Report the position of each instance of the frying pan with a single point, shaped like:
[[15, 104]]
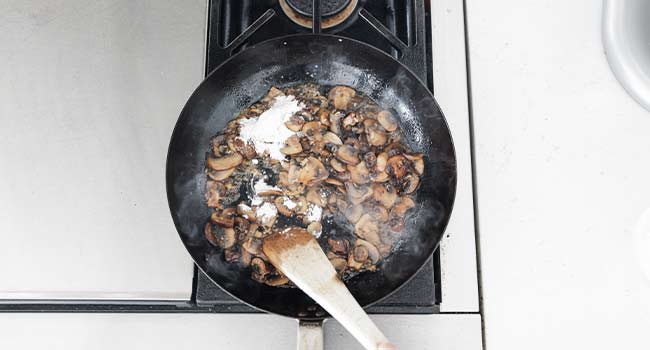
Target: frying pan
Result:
[[326, 60]]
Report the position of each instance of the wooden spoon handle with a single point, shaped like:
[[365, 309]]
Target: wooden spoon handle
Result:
[[304, 263]]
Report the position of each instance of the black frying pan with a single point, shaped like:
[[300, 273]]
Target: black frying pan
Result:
[[326, 60]]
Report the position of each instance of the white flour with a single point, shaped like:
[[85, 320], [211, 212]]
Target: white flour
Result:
[[314, 213], [268, 132], [266, 212], [289, 203], [261, 186]]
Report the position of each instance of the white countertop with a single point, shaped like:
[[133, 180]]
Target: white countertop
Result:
[[563, 178]]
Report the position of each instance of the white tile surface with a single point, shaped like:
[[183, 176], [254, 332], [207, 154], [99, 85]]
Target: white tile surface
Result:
[[458, 249], [563, 169], [203, 331], [89, 94]]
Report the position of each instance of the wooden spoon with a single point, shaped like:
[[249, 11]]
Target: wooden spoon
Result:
[[298, 256]]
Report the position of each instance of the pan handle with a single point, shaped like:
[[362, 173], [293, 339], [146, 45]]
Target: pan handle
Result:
[[310, 335]]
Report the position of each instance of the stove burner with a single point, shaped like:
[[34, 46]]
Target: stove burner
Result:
[[333, 12], [328, 8]]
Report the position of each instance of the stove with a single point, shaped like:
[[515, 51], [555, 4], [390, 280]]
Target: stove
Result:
[[425, 35]]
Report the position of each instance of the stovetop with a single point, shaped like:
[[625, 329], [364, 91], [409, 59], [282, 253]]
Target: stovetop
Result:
[[396, 27]]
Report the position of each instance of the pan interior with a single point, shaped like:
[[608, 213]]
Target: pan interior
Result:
[[324, 60]]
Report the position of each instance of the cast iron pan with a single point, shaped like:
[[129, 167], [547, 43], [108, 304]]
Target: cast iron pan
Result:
[[326, 60]]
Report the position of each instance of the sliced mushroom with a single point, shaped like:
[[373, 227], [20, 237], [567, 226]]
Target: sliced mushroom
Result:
[[238, 145], [246, 211], [253, 245], [245, 258], [224, 218], [382, 159], [339, 264], [379, 176], [292, 175], [282, 208], [368, 229], [387, 120], [385, 194], [231, 255], [377, 211], [410, 184], [334, 182], [259, 267], [315, 229], [348, 154], [324, 116], [375, 133], [337, 165], [397, 166], [341, 96], [353, 213], [384, 250], [283, 179], [360, 253], [295, 122], [359, 173], [331, 138], [338, 246], [312, 172], [303, 205], [356, 195], [213, 194], [373, 251], [220, 175], [335, 121], [276, 280], [350, 120], [400, 209], [314, 196], [370, 159], [313, 130], [418, 162], [242, 228], [273, 93], [291, 146], [353, 264], [225, 162], [224, 238]]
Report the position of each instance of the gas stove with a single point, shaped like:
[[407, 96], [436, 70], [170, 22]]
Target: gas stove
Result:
[[436, 53]]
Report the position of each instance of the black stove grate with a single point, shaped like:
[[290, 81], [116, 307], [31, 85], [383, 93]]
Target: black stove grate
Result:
[[396, 27]]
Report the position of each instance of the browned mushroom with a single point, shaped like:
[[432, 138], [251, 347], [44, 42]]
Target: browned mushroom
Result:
[[245, 258], [331, 138], [401, 207], [350, 120], [295, 122], [338, 246], [225, 162], [353, 213], [385, 194], [324, 116], [335, 121], [253, 245], [397, 166], [312, 172], [410, 184], [359, 173], [339, 264], [418, 162], [276, 280], [370, 159], [231, 255], [341, 96], [292, 174], [357, 194], [379, 176], [259, 267], [313, 130], [224, 218], [375, 133], [377, 211], [368, 229], [242, 228], [213, 194], [221, 237], [273, 93], [291, 146], [246, 211], [334, 182], [373, 251], [238, 145], [387, 120], [360, 253], [220, 175], [337, 165], [353, 264], [382, 159], [315, 196], [348, 154], [282, 207], [315, 228]]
